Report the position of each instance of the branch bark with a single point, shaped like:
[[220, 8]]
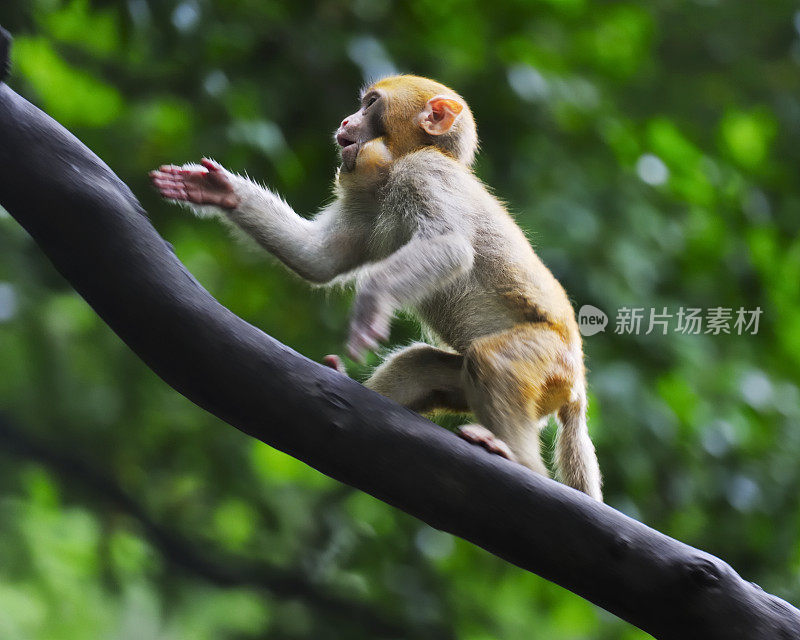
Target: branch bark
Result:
[[95, 232]]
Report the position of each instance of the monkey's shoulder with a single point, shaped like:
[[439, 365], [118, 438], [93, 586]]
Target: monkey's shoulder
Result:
[[429, 168], [430, 183]]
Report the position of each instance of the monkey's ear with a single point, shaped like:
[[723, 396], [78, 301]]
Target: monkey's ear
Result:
[[440, 114]]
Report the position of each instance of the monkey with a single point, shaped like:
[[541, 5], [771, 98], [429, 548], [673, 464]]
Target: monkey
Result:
[[414, 227]]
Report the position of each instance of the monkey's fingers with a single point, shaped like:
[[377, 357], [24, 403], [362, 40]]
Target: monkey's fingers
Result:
[[359, 343], [168, 169], [168, 187], [378, 329], [173, 172], [175, 195], [211, 165], [211, 177], [480, 435], [367, 336], [357, 349], [164, 179]]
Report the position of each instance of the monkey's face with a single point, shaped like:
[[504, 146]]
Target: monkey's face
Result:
[[362, 126], [409, 113]]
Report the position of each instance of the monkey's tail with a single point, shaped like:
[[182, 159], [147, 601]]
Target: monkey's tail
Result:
[[576, 460]]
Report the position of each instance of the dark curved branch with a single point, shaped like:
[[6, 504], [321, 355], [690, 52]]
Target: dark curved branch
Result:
[[97, 235], [224, 570]]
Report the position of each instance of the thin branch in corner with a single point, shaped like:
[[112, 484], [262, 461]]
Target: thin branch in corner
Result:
[[5, 52]]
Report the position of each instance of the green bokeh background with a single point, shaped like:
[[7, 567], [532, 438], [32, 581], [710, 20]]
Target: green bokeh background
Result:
[[650, 150]]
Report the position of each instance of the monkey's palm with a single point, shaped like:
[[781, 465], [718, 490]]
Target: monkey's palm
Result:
[[208, 184]]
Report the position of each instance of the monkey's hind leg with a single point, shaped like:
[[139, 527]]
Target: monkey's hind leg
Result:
[[510, 432], [514, 380], [422, 378]]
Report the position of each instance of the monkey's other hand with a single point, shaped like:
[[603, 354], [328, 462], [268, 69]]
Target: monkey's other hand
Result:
[[368, 327], [209, 184], [480, 435]]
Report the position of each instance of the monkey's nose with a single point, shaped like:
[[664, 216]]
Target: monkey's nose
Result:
[[344, 123]]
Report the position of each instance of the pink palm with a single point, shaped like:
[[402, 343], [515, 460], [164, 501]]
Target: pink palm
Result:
[[207, 185]]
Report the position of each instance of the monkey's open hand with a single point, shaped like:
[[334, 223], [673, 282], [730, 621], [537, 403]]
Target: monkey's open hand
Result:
[[369, 326], [208, 184]]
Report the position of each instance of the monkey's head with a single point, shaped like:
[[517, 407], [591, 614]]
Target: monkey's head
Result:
[[409, 113]]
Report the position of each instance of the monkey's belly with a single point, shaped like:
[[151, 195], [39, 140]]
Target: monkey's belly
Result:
[[461, 314]]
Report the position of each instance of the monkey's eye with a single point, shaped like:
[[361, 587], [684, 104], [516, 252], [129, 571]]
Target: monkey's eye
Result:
[[370, 101]]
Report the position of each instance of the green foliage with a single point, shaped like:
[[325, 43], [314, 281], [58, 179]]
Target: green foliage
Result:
[[72, 96], [649, 148]]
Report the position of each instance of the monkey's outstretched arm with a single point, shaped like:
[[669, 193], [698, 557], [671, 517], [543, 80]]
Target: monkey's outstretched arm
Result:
[[424, 264], [318, 249]]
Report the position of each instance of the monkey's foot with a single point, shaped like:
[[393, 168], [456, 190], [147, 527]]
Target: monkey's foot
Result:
[[477, 434], [334, 362]]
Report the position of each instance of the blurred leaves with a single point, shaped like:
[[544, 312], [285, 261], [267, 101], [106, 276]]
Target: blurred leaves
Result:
[[70, 95], [748, 136]]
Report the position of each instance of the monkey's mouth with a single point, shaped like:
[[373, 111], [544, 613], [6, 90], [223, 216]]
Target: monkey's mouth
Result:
[[343, 141], [349, 151]]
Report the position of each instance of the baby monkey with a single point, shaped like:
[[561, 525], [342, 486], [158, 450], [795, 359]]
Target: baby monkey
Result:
[[415, 228]]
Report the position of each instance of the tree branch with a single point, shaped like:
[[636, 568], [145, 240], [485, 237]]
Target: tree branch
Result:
[[225, 571], [97, 235]]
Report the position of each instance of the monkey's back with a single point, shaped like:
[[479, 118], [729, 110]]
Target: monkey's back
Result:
[[507, 284]]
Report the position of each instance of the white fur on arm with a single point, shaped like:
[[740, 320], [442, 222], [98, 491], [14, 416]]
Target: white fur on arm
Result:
[[314, 249]]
